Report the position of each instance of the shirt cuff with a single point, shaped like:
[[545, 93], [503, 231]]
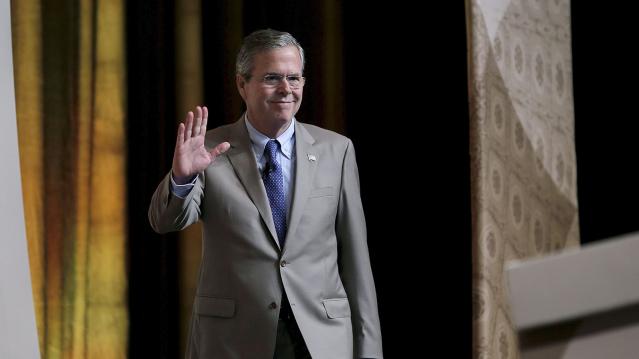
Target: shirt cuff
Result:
[[182, 190]]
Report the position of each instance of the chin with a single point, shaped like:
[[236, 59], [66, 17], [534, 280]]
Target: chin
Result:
[[283, 118]]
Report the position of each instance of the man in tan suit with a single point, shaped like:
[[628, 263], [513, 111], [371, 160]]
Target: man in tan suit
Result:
[[285, 268]]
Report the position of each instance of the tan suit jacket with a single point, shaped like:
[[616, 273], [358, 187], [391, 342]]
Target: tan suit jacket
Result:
[[324, 266]]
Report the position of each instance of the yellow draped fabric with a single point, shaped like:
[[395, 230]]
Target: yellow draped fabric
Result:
[[70, 97]]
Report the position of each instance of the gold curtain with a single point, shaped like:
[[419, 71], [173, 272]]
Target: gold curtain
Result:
[[70, 98], [524, 193]]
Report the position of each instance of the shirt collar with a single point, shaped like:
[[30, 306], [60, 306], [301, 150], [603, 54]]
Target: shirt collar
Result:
[[259, 140]]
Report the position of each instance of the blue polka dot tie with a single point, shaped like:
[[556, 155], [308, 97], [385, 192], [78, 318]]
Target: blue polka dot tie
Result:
[[274, 184]]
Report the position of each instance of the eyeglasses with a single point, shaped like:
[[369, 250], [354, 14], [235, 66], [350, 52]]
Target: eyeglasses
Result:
[[274, 80]]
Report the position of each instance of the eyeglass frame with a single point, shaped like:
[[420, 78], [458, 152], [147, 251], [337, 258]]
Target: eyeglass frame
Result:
[[280, 78]]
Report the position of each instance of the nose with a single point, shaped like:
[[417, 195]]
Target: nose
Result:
[[284, 87]]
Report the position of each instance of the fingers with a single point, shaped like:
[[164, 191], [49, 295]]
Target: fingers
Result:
[[219, 149], [195, 123], [180, 135], [188, 124], [205, 119], [198, 122]]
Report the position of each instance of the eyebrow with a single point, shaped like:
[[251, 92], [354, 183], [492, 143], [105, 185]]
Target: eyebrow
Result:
[[278, 74]]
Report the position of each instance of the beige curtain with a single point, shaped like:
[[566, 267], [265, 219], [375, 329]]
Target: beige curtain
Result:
[[70, 94], [524, 197]]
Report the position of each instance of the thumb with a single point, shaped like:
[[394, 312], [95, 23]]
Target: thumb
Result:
[[219, 149]]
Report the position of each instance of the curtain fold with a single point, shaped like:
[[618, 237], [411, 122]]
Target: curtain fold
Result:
[[70, 99], [27, 58], [523, 167]]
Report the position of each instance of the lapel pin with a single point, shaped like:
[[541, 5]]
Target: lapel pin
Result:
[[311, 157]]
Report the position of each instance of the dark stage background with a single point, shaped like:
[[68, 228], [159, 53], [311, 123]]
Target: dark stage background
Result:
[[405, 107], [605, 90]]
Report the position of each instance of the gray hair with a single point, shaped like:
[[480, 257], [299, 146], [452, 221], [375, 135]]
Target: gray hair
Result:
[[260, 41]]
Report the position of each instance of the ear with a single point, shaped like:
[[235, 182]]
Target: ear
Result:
[[241, 85]]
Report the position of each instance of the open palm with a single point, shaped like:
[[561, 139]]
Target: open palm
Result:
[[191, 156]]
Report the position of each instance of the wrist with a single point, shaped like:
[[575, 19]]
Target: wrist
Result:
[[180, 180]]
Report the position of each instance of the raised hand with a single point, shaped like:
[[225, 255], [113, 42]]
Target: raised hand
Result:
[[191, 156]]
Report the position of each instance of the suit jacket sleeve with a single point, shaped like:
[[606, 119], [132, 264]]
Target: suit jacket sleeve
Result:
[[354, 262], [169, 212]]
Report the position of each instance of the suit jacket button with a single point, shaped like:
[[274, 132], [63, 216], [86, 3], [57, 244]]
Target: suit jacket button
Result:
[[272, 305], [283, 264]]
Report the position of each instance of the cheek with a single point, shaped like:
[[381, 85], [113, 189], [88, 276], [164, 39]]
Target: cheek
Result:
[[255, 96], [259, 101]]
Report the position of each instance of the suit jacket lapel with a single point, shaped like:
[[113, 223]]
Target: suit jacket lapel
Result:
[[243, 161], [304, 174]]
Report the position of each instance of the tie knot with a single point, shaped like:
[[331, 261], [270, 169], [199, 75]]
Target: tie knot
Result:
[[271, 150]]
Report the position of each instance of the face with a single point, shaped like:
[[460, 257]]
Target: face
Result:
[[271, 108]]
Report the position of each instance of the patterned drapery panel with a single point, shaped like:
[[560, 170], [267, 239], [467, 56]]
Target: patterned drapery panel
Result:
[[70, 100], [524, 197]]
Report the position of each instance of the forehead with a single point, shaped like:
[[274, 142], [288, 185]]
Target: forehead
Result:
[[281, 60]]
